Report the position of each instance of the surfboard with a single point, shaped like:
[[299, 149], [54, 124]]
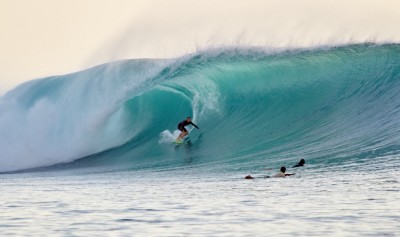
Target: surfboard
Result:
[[176, 141], [181, 141]]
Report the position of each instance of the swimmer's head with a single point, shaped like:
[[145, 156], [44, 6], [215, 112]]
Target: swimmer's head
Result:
[[283, 169], [302, 161]]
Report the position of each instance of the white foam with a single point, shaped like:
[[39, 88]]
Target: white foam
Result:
[[167, 136]]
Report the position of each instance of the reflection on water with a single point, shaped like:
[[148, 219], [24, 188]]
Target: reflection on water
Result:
[[319, 201]]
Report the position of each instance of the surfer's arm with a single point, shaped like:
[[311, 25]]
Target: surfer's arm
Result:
[[194, 125], [289, 174]]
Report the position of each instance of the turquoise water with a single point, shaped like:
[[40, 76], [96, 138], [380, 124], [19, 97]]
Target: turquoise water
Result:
[[90, 153]]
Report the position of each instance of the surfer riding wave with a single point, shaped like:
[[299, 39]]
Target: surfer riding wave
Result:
[[181, 127]]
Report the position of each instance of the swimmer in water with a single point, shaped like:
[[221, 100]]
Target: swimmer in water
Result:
[[280, 174], [301, 163]]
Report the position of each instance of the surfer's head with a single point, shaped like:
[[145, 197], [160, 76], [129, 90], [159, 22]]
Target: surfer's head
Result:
[[283, 169], [302, 162], [248, 177], [189, 119]]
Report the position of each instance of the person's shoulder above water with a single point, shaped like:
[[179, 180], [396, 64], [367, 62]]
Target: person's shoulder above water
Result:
[[301, 163], [282, 173]]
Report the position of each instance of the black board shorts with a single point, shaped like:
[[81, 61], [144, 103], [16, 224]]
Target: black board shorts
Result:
[[182, 128]]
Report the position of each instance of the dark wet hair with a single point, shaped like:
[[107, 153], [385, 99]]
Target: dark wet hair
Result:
[[302, 161], [248, 177], [283, 169], [188, 117]]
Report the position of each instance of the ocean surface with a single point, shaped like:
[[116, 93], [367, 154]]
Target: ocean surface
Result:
[[91, 153]]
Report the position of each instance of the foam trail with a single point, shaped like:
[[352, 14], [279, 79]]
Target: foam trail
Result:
[[168, 136]]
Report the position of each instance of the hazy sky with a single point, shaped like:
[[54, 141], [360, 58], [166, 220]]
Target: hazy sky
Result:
[[40, 38]]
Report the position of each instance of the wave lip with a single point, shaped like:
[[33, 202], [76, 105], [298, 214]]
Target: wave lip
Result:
[[253, 107]]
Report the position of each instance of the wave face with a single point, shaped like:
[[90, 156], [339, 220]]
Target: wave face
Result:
[[253, 108]]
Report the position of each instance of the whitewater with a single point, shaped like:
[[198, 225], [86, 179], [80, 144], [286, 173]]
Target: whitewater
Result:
[[100, 140]]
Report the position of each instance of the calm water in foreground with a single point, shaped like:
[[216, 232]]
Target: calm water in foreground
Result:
[[346, 200]]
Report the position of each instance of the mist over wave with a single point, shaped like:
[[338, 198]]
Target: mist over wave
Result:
[[163, 29], [253, 107]]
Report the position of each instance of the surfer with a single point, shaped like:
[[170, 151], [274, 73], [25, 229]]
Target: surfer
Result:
[[280, 174], [181, 127], [301, 163]]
